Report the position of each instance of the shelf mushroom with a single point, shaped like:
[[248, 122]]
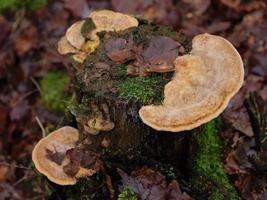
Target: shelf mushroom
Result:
[[107, 20], [78, 44], [49, 156], [202, 86]]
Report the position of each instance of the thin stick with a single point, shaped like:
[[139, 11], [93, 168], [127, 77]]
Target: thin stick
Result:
[[25, 96], [41, 126], [36, 84], [14, 165]]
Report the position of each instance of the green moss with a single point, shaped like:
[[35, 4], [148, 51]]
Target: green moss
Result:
[[217, 195], [127, 194], [36, 4], [208, 163], [143, 89], [18, 4], [53, 93]]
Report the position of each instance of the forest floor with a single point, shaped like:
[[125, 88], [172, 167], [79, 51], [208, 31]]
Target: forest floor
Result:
[[29, 62]]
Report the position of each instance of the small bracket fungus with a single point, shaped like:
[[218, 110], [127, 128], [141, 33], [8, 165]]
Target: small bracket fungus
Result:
[[79, 43], [107, 20], [60, 141], [100, 121], [49, 156], [203, 84]]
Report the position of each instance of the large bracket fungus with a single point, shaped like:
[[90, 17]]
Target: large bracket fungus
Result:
[[203, 84]]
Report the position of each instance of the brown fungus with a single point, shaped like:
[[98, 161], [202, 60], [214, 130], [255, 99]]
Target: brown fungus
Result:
[[49, 157], [203, 84]]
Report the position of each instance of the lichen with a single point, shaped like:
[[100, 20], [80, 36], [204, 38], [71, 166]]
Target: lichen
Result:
[[53, 94], [208, 164], [143, 89]]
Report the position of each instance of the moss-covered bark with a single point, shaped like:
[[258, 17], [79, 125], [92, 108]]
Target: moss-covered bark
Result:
[[210, 180]]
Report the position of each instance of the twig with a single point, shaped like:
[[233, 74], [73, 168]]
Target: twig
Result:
[[41, 126], [14, 165], [25, 96], [21, 179], [19, 18], [36, 84]]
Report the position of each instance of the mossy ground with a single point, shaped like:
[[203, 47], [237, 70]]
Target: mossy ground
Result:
[[208, 164], [18, 4], [53, 90]]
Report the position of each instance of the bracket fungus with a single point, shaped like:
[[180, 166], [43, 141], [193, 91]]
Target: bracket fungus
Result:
[[49, 156], [81, 44], [107, 20], [203, 84], [99, 121]]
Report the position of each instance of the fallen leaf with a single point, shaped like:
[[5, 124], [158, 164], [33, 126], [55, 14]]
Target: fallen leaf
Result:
[[151, 185]]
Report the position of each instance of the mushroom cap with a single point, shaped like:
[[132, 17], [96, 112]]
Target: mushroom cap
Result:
[[60, 140], [74, 34], [203, 84], [107, 20]]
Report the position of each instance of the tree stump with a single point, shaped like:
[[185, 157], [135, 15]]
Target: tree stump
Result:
[[106, 93], [118, 72]]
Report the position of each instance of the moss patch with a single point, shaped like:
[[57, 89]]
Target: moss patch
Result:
[[143, 89], [17, 4], [208, 164], [127, 194], [53, 94]]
